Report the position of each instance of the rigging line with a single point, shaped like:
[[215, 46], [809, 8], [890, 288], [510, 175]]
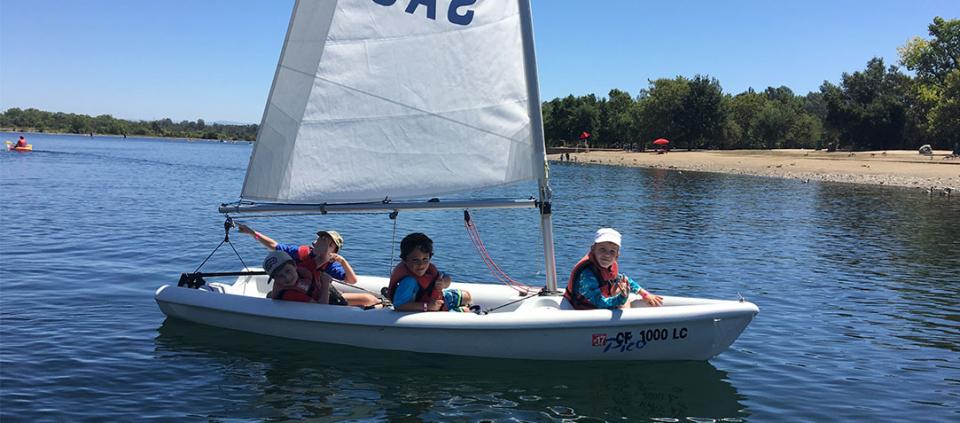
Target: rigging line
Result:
[[505, 279], [527, 297], [393, 241], [478, 243], [485, 257], [427, 112], [494, 268], [245, 267], [208, 257]]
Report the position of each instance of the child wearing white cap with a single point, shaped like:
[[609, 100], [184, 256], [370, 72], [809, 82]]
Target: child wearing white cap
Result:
[[595, 281]]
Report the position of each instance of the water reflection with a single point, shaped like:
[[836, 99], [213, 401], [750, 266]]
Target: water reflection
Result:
[[274, 378]]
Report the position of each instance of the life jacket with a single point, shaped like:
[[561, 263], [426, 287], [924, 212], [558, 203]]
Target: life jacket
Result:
[[21, 142], [306, 261], [607, 278], [427, 283], [303, 290]]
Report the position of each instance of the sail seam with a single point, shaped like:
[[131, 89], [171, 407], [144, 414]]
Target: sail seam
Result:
[[424, 112]]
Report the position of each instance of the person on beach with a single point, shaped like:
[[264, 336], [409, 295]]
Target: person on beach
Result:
[[294, 283], [321, 257], [595, 281], [417, 285]]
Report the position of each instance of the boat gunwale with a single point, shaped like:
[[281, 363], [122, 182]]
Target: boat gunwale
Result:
[[532, 318]]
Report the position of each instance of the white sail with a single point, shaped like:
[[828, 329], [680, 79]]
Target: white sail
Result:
[[396, 99]]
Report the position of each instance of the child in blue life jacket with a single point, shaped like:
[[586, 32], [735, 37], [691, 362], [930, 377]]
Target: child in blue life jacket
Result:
[[417, 285], [294, 283], [595, 281]]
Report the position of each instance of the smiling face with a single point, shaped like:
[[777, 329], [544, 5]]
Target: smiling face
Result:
[[417, 261], [606, 253]]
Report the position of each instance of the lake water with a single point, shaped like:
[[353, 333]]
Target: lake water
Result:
[[858, 289]]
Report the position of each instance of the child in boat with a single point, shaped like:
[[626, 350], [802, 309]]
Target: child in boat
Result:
[[417, 285], [595, 281], [293, 283], [319, 258]]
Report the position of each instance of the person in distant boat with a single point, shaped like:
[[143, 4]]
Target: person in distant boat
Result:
[[321, 257], [294, 283], [22, 142], [417, 285], [595, 281]]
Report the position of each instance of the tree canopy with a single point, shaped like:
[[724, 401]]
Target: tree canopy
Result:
[[41, 121], [878, 108]]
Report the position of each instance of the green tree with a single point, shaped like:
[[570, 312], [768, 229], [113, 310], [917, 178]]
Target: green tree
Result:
[[868, 109], [617, 114], [660, 108], [702, 115], [936, 62]]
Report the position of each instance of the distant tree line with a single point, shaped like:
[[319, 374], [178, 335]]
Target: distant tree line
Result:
[[877, 108], [40, 121]]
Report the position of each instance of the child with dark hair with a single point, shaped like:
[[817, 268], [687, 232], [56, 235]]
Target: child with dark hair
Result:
[[417, 285]]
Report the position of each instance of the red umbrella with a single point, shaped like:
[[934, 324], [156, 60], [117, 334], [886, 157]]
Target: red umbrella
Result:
[[661, 141], [584, 135]]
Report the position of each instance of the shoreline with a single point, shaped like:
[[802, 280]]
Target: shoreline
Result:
[[121, 137], [937, 173]]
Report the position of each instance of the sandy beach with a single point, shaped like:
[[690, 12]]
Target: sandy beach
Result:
[[896, 168]]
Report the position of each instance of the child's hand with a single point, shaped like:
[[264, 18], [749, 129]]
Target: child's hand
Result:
[[653, 300], [622, 287]]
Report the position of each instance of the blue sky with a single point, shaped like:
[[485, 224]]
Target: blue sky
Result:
[[215, 59]]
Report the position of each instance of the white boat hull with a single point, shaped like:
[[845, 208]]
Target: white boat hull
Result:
[[541, 328]]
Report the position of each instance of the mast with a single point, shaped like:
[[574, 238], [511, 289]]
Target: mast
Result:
[[536, 125]]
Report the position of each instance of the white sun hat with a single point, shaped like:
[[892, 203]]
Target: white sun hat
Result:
[[607, 235]]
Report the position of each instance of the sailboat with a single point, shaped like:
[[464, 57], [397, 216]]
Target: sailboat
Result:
[[387, 106]]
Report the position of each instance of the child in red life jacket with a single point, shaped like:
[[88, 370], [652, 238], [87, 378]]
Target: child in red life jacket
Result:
[[294, 283], [417, 285], [22, 142], [322, 257], [595, 281]]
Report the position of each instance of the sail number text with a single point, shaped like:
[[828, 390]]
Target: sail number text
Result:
[[457, 13], [629, 341]]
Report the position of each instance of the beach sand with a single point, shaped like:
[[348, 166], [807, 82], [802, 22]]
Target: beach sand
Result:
[[895, 168]]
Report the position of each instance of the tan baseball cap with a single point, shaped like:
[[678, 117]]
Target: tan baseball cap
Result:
[[335, 236]]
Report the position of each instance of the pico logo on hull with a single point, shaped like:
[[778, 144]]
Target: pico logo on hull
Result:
[[627, 341], [458, 12]]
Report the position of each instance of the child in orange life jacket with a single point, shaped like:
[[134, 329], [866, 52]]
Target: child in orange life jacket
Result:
[[417, 285], [322, 257], [293, 283], [595, 281]]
